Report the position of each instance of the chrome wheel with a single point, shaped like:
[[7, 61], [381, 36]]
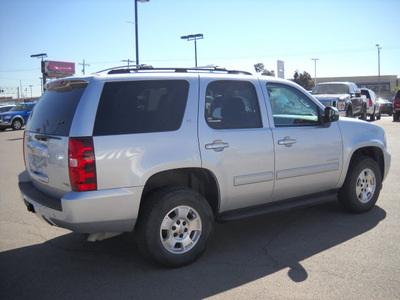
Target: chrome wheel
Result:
[[365, 185], [180, 229]]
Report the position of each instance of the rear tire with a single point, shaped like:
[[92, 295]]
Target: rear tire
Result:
[[174, 226], [362, 186], [16, 124]]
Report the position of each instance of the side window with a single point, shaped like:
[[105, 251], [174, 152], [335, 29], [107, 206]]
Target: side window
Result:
[[232, 105], [290, 107], [141, 106]]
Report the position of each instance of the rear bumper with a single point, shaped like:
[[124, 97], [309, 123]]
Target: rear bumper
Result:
[[112, 210]]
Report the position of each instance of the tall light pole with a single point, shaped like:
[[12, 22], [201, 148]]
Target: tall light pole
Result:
[[193, 37], [379, 69], [136, 31], [315, 70], [41, 55]]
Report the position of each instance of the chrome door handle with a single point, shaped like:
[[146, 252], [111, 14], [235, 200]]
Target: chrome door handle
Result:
[[217, 145], [288, 141]]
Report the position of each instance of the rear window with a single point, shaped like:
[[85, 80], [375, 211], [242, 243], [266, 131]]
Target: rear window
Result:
[[141, 106], [54, 112]]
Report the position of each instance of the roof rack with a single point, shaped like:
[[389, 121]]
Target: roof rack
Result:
[[136, 69]]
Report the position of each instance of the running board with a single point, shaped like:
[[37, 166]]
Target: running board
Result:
[[279, 206]]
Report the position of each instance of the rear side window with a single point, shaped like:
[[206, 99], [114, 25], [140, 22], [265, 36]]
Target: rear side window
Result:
[[141, 106], [54, 112], [232, 105]]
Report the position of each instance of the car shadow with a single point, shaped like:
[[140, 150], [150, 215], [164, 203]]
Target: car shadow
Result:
[[68, 267]]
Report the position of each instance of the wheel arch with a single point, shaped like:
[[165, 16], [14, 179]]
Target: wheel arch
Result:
[[373, 152], [201, 180]]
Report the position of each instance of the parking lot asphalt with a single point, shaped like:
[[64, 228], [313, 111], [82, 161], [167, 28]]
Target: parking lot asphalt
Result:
[[313, 253]]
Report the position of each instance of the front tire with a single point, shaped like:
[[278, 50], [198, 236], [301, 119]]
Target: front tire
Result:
[[362, 185], [174, 226]]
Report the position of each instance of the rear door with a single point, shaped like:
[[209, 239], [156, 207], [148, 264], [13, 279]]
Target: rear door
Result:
[[235, 141]]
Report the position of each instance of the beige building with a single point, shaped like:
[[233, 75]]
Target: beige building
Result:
[[387, 83]]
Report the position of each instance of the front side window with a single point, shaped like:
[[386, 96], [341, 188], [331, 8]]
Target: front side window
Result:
[[290, 107], [232, 105], [141, 106]]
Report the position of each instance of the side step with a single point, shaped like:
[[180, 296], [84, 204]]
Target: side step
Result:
[[279, 206]]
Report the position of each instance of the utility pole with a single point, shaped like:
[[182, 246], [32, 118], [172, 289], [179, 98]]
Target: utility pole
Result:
[[31, 90], [128, 61], [84, 65]]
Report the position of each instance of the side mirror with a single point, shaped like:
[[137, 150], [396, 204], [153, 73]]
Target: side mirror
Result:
[[331, 114]]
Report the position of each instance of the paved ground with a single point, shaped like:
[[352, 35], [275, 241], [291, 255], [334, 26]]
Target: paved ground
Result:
[[314, 253]]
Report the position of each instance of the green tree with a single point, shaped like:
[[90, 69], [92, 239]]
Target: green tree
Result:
[[395, 89], [260, 68], [303, 79]]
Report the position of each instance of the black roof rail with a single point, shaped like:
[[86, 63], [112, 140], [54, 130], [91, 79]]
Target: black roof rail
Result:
[[125, 70]]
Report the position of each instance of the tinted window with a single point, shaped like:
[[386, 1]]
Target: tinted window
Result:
[[232, 105], [54, 112], [141, 106], [290, 107], [334, 88]]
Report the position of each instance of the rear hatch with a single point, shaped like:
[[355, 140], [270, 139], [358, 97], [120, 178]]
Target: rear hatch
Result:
[[46, 138]]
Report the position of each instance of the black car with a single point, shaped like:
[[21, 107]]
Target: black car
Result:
[[386, 106]]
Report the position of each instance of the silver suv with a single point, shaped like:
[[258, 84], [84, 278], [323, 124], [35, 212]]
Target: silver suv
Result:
[[166, 152]]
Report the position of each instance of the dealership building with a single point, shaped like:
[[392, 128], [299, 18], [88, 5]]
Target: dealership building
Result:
[[386, 83]]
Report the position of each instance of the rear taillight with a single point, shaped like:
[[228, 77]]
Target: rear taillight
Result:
[[370, 102], [82, 165]]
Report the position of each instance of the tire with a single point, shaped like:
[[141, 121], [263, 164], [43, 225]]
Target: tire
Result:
[[372, 117], [349, 112], [362, 185], [378, 117], [364, 113], [174, 226], [16, 124]]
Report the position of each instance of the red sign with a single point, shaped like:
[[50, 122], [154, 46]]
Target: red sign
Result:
[[59, 69]]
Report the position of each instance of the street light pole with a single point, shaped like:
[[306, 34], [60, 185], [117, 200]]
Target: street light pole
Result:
[[193, 37], [379, 69], [136, 31], [41, 55], [315, 70]]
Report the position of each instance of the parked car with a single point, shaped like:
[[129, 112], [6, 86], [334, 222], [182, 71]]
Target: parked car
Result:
[[386, 106], [166, 152], [373, 107], [17, 117], [5, 108], [396, 106], [345, 96]]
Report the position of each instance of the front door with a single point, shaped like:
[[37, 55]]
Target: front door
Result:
[[308, 155]]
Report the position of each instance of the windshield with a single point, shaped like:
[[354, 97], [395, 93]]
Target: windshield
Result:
[[335, 88], [19, 107]]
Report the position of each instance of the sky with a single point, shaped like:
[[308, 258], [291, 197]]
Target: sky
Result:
[[342, 34]]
